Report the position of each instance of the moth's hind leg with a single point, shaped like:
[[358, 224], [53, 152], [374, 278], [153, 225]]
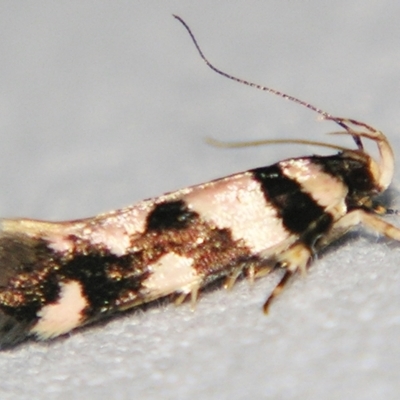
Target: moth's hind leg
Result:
[[250, 269], [295, 258]]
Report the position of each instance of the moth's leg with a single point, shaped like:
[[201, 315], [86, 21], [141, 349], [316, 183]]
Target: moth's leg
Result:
[[295, 258], [231, 279], [252, 270], [194, 295], [193, 292], [370, 221], [298, 255]]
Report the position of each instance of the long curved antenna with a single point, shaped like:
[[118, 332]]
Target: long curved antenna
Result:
[[324, 114], [252, 143]]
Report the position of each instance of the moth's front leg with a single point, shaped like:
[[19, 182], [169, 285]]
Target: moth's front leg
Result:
[[371, 221]]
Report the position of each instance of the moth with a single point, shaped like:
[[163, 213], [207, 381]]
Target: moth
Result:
[[58, 276]]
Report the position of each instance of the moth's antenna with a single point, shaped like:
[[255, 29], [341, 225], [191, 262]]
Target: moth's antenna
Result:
[[324, 114], [218, 143]]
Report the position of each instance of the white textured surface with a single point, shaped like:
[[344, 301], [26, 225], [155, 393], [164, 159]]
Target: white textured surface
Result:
[[104, 103]]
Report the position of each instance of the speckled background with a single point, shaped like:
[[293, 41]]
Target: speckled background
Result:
[[104, 103]]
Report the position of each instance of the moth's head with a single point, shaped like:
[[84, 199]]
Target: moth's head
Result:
[[382, 168]]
